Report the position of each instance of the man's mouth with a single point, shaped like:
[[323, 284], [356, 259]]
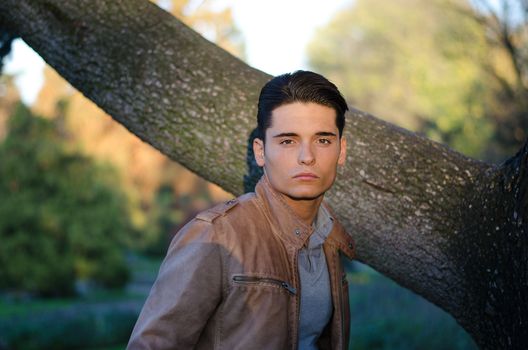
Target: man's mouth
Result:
[[306, 176]]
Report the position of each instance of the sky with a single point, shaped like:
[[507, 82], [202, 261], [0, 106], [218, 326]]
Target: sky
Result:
[[276, 33]]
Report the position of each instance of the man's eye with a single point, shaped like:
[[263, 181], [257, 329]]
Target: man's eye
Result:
[[286, 142], [325, 141]]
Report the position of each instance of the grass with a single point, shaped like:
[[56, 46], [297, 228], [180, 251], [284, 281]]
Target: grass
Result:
[[387, 316], [11, 308], [99, 319]]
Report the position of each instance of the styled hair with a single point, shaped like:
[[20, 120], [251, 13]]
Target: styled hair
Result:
[[299, 86]]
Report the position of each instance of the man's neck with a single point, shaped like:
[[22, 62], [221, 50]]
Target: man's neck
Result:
[[306, 209]]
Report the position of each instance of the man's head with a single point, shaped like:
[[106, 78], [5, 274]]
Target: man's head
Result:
[[301, 120], [300, 86]]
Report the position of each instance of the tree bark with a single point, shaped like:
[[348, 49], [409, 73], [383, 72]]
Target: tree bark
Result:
[[448, 227]]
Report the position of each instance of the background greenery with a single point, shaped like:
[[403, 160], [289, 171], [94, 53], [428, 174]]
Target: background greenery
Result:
[[63, 216], [384, 316]]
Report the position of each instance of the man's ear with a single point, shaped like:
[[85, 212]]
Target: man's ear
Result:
[[342, 153], [258, 151]]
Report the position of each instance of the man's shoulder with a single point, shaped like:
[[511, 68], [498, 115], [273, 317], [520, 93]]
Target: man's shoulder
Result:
[[231, 209], [207, 225]]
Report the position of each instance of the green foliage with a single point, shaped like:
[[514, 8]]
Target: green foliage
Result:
[[162, 220], [387, 316], [62, 217], [99, 319], [420, 64], [77, 327]]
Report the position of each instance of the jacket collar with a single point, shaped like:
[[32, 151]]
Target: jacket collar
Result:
[[289, 226], [339, 237]]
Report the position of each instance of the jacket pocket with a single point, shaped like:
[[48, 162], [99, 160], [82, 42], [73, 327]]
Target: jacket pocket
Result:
[[242, 279]]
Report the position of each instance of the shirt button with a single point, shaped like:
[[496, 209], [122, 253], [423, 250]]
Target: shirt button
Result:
[[297, 231]]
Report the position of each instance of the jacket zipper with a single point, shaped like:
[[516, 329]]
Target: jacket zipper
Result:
[[254, 279]]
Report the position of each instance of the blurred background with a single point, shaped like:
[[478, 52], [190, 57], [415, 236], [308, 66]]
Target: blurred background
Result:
[[87, 209]]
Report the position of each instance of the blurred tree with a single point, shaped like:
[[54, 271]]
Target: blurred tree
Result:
[[9, 98], [162, 219], [505, 24], [416, 63], [450, 228], [212, 20], [62, 217], [168, 214]]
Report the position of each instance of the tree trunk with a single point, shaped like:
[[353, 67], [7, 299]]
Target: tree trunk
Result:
[[448, 227]]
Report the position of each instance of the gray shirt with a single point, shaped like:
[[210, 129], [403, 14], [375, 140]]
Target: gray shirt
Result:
[[316, 298]]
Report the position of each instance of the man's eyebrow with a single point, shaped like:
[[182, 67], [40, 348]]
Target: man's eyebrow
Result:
[[286, 134], [292, 134], [325, 133]]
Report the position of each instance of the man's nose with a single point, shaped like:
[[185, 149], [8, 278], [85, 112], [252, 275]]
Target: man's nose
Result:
[[306, 155]]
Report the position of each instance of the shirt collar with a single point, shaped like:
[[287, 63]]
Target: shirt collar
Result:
[[322, 227]]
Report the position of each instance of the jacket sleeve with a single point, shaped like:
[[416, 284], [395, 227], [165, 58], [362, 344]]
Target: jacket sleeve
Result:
[[185, 294]]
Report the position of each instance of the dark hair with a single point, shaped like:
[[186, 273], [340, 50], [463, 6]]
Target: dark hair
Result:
[[299, 86]]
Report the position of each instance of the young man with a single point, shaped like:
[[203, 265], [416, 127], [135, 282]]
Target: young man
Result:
[[263, 271]]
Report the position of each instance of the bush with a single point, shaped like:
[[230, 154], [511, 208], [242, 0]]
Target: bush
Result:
[[62, 216], [386, 316], [75, 327]]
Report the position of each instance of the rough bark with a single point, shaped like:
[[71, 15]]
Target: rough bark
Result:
[[448, 227]]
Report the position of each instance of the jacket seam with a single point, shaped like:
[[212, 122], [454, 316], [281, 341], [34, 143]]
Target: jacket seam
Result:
[[225, 290]]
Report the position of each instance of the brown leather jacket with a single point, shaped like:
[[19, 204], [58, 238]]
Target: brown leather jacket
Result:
[[230, 280]]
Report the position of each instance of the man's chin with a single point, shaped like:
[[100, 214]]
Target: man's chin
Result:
[[304, 196]]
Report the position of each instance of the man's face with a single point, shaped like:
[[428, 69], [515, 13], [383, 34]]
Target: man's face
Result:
[[302, 150]]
